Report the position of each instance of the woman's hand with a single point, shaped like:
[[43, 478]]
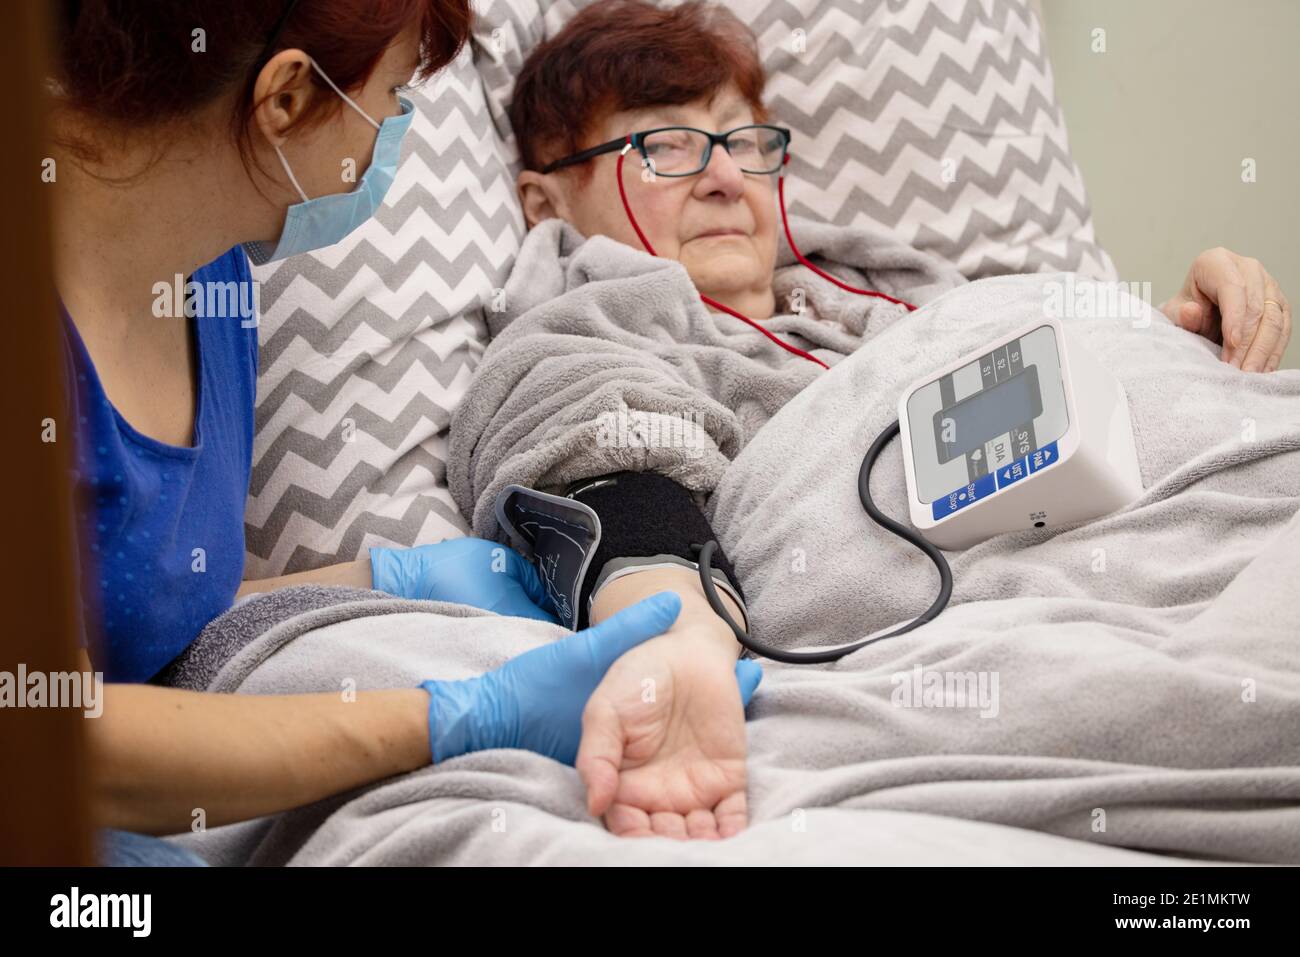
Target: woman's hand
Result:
[[535, 701], [467, 571], [663, 740], [1231, 299]]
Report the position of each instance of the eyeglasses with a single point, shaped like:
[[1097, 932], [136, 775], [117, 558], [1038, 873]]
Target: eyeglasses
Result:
[[685, 150]]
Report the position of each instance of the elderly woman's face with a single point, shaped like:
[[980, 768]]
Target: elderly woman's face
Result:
[[720, 223]]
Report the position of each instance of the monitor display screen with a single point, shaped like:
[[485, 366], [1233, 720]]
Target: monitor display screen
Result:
[[987, 414]]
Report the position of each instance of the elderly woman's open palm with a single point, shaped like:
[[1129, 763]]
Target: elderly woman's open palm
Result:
[[663, 741]]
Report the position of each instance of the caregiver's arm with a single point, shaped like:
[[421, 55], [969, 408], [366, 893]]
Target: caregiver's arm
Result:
[[355, 574], [161, 754], [1232, 300]]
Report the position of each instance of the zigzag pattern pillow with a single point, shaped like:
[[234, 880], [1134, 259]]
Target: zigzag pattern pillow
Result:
[[367, 347], [934, 119]]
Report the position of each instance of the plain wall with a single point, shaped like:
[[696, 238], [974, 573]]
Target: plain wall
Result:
[[1161, 122]]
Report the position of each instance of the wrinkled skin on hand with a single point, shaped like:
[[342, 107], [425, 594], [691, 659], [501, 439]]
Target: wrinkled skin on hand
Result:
[[1233, 301], [663, 741]]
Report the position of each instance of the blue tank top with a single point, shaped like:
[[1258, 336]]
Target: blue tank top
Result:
[[160, 527]]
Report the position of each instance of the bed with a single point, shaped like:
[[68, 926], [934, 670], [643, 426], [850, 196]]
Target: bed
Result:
[[1127, 737]]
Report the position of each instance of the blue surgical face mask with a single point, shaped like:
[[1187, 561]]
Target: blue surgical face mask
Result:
[[325, 220]]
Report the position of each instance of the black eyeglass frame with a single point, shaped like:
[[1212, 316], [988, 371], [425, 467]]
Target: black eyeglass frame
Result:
[[637, 140]]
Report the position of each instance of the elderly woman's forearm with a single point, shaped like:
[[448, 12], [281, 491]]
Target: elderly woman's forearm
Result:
[[696, 615]]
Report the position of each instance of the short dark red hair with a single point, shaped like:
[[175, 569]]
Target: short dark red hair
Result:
[[626, 55], [131, 63]]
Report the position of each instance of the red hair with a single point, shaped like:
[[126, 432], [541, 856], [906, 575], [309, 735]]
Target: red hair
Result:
[[130, 64], [624, 55]]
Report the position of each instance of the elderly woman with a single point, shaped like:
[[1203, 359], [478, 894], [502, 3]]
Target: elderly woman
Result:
[[643, 129]]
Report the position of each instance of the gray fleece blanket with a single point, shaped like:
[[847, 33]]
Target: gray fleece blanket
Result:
[[1099, 694], [514, 807], [597, 342]]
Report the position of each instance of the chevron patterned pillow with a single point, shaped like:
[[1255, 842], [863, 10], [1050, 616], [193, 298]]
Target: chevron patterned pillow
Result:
[[367, 347], [934, 119]]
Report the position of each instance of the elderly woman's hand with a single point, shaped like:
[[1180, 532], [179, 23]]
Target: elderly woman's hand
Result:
[[1231, 299], [663, 740]]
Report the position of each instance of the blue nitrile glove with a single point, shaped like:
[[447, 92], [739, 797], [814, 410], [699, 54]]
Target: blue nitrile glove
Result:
[[748, 674], [467, 571], [535, 701]]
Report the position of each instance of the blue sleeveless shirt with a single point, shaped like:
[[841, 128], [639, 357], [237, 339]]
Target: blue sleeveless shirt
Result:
[[160, 527]]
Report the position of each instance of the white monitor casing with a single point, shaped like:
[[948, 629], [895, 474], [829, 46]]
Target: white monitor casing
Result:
[[1095, 472]]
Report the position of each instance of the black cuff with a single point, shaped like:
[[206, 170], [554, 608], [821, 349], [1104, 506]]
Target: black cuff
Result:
[[643, 514]]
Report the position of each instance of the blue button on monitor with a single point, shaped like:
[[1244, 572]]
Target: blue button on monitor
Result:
[[1042, 458], [1012, 472], [960, 498]]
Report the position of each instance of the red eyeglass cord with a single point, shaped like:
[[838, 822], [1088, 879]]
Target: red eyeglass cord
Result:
[[793, 248]]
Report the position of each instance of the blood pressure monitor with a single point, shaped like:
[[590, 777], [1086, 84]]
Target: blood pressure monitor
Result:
[[1031, 432]]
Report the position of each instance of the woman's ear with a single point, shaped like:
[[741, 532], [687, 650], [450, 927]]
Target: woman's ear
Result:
[[282, 92], [541, 197]]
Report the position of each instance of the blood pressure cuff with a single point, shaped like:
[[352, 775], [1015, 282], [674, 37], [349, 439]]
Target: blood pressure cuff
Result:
[[603, 529]]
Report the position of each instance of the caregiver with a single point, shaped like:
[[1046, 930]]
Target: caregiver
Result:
[[181, 130]]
